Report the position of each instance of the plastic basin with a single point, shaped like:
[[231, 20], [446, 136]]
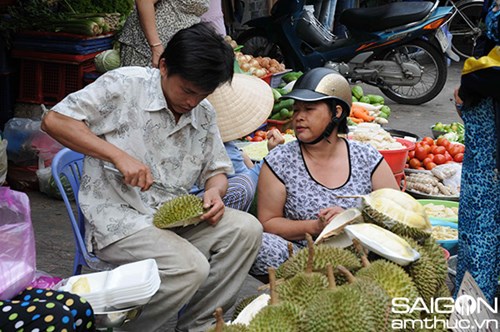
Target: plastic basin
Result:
[[397, 158], [449, 204], [450, 245]]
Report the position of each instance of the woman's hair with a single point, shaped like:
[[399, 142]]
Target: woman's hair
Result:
[[342, 121], [201, 56]]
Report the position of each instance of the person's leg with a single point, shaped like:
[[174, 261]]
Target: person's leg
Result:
[[240, 192], [273, 252], [182, 268], [230, 247], [130, 57]]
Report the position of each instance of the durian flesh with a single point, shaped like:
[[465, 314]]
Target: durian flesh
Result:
[[181, 211], [398, 212]]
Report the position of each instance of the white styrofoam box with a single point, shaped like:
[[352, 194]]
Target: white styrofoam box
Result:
[[96, 282], [132, 275]]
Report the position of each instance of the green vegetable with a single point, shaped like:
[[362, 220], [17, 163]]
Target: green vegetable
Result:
[[438, 126], [291, 76], [350, 122], [286, 103], [354, 99], [376, 99], [357, 91], [383, 115], [364, 99], [276, 94], [385, 110], [107, 60]]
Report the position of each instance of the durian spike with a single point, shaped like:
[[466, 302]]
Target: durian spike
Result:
[[290, 250], [331, 277], [349, 276], [219, 320], [272, 285], [310, 257], [359, 248]]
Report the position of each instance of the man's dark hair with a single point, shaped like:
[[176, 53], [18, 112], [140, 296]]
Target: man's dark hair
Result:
[[201, 56]]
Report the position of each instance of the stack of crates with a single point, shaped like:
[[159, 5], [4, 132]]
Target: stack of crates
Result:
[[53, 65]]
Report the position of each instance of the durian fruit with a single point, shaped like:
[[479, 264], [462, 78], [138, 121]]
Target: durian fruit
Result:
[[181, 211], [393, 279], [442, 292], [430, 271], [248, 312], [323, 255], [339, 309], [221, 326], [378, 309], [277, 316], [301, 288], [398, 212], [241, 305]]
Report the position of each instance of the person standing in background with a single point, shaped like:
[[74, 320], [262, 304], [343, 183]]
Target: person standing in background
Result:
[[478, 103], [215, 17], [151, 25]]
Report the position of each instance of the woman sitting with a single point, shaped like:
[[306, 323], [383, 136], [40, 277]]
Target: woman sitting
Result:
[[301, 183]]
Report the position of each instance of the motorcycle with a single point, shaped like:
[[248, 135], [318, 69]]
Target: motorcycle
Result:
[[399, 47]]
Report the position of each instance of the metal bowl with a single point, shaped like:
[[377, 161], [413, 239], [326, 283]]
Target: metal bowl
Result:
[[116, 318]]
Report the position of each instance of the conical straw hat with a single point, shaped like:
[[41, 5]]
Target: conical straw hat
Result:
[[241, 106]]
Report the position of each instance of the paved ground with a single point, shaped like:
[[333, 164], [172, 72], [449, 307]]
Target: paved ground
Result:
[[53, 232]]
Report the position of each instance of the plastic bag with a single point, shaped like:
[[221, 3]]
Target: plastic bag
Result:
[[44, 280], [3, 160], [17, 243]]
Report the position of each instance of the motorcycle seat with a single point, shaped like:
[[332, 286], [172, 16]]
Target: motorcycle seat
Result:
[[386, 16]]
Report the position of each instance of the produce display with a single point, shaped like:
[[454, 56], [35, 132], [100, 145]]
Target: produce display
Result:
[[444, 233], [258, 66], [375, 135], [440, 211], [442, 180], [324, 288], [181, 211], [257, 150], [107, 60], [367, 108], [429, 153], [453, 132]]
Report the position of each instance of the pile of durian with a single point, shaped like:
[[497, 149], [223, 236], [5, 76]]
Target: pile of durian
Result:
[[328, 288]]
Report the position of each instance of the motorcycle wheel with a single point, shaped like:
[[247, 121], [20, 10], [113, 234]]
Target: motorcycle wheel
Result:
[[256, 43], [464, 26], [433, 76]]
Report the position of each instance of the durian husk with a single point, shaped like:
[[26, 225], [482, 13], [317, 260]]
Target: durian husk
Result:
[[181, 211], [281, 317], [430, 271], [323, 255], [338, 223], [241, 305], [398, 212], [221, 326]]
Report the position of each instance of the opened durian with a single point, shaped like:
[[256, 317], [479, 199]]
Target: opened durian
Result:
[[336, 226], [398, 212], [181, 211], [221, 326]]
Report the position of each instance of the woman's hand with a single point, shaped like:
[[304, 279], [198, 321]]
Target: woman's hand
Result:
[[156, 51], [274, 138], [328, 213]]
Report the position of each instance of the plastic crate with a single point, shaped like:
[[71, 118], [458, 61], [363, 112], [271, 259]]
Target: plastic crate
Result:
[[46, 78], [60, 42], [281, 125]]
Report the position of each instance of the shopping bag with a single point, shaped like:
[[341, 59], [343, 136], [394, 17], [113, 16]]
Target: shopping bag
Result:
[[17, 243]]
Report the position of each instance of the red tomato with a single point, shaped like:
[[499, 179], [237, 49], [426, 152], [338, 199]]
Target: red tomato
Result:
[[421, 168], [420, 153], [461, 147], [439, 159], [415, 163], [427, 148], [257, 139], [430, 166], [453, 149], [428, 140], [249, 138], [260, 133], [411, 154], [427, 160], [459, 157], [442, 141], [430, 156], [438, 150], [448, 156], [450, 162]]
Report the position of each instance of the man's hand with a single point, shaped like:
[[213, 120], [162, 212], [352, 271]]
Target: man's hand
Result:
[[213, 202], [134, 172]]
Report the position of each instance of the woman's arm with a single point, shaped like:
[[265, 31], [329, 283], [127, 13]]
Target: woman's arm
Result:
[[271, 196], [383, 177], [146, 11]]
